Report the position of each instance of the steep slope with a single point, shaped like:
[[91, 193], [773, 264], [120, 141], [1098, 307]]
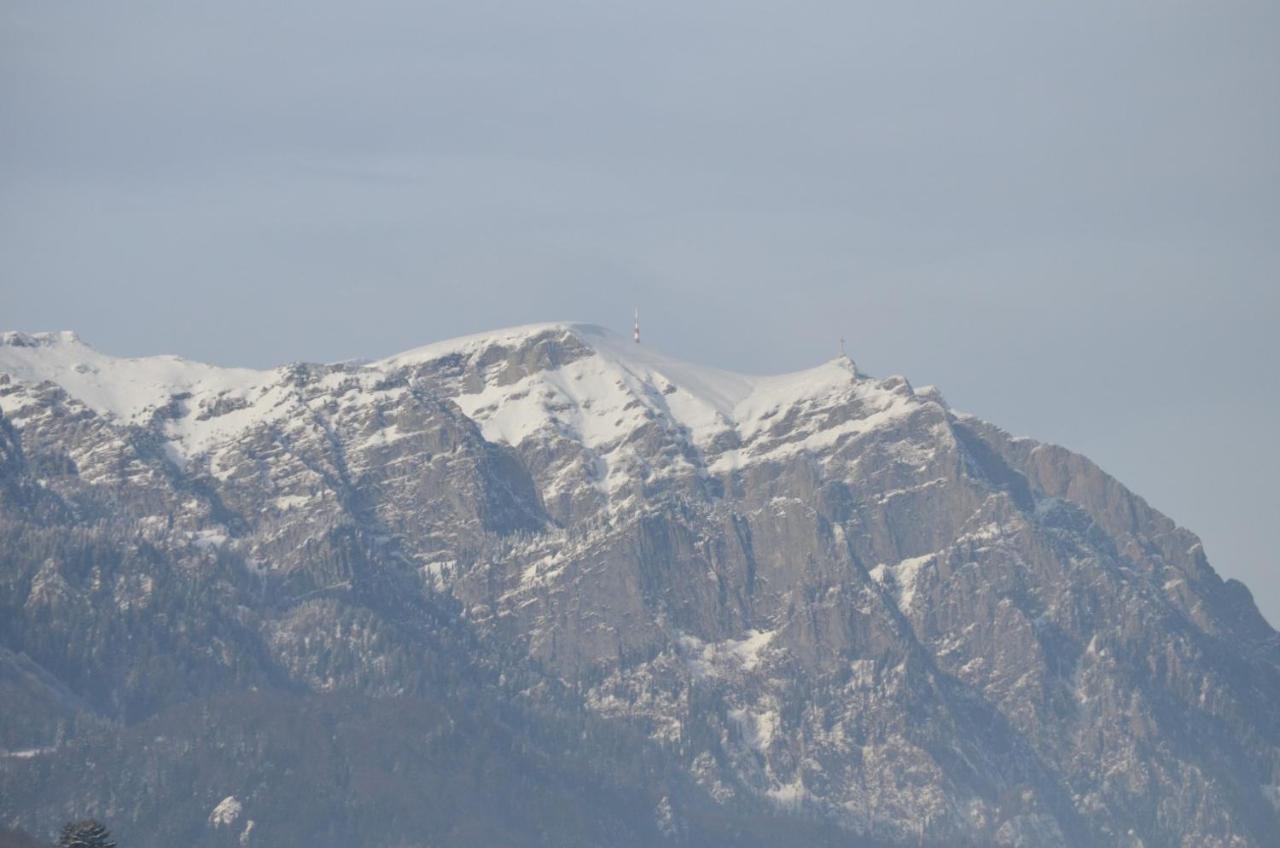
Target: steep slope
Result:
[[821, 592]]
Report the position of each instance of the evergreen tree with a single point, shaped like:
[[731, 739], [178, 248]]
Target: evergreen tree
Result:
[[85, 834]]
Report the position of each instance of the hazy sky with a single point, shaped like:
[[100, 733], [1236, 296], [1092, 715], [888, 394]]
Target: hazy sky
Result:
[[1066, 215]]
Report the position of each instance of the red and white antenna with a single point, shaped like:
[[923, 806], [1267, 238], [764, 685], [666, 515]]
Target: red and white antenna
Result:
[[636, 334]]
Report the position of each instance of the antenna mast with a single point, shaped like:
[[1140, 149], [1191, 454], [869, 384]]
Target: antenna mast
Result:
[[636, 334]]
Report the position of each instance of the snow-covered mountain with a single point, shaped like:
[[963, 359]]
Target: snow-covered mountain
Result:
[[694, 606]]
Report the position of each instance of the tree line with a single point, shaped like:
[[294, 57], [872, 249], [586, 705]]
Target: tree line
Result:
[[87, 833]]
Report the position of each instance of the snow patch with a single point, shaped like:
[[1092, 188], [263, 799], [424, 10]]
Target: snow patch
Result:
[[758, 728], [712, 659], [902, 577], [208, 539], [284, 503], [27, 753], [788, 794], [226, 812]]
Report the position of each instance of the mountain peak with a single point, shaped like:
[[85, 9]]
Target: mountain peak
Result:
[[507, 337]]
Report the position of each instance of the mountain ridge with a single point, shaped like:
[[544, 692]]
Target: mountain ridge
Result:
[[601, 341]]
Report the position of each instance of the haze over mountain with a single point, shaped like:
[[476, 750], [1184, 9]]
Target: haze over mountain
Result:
[[545, 586], [1064, 213]]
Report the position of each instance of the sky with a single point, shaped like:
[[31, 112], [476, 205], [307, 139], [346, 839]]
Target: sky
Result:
[[1065, 215]]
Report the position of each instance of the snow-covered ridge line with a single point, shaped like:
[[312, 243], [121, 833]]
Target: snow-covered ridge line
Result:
[[127, 388], [479, 341], [607, 390]]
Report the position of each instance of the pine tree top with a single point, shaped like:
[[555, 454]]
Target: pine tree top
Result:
[[85, 834]]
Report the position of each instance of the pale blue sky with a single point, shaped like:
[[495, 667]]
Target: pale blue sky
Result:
[[1066, 215]]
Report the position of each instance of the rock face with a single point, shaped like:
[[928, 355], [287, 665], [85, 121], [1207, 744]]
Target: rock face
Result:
[[546, 587]]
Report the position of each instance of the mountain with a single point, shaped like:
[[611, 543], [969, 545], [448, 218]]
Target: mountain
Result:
[[544, 586]]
